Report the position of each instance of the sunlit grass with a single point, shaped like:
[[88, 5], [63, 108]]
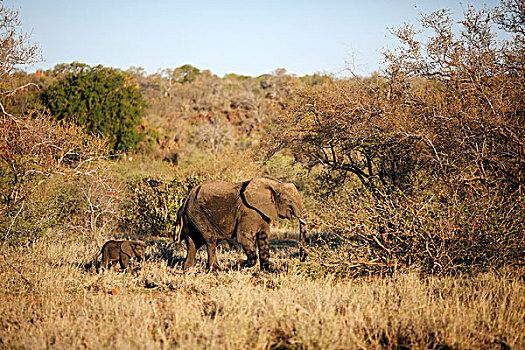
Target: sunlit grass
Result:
[[51, 297]]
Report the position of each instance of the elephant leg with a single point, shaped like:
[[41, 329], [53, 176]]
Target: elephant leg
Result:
[[208, 236], [193, 245], [231, 243], [104, 264], [212, 255], [124, 261], [248, 243], [264, 250]]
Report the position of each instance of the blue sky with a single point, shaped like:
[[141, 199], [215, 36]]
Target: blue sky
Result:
[[244, 37]]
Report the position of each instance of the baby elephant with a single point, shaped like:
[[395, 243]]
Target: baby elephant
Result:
[[121, 251]]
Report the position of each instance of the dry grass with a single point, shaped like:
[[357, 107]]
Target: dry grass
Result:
[[66, 304]]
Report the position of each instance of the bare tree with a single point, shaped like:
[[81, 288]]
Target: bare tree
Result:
[[15, 48]]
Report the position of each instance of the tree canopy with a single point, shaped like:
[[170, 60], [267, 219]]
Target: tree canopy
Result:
[[105, 101]]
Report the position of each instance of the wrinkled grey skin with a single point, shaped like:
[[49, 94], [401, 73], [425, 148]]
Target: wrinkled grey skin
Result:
[[121, 251], [218, 210]]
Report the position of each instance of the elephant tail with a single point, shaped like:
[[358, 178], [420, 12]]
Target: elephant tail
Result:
[[178, 225]]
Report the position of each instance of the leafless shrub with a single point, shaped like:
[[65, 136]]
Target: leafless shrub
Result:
[[15, 46]]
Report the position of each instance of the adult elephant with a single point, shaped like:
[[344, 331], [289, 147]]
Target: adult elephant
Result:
[[218, 210]]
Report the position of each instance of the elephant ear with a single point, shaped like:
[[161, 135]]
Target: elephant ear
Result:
[[138, 248], [126, 248], [260, 194]]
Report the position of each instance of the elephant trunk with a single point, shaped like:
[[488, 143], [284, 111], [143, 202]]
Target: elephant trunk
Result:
[[303, 226]]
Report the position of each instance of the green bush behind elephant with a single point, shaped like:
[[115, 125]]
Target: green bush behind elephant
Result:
[[218, 210]]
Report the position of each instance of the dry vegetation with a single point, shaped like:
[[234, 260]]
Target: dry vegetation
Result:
[[52, 298], [413, 180]]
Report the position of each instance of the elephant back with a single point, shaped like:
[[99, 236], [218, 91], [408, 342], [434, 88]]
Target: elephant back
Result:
[[215, 204]]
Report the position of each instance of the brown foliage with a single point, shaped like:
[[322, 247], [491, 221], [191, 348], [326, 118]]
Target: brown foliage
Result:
[[34, 148], [470, 106], [438, 142]]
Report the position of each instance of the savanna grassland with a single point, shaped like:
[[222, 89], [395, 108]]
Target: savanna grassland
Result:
[[53, 298], [413, 179]]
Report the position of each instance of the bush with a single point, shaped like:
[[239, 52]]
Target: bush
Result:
[[153, 205], [432, 231], [104, 101], [431, 152], [34, 150], [55, 204]]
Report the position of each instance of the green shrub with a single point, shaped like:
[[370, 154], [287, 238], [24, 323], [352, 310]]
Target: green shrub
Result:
[[432, 230], [103, 100], [58, 203], [153, 205]]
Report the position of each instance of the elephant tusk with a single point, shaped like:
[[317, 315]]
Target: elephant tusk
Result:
[[302, 222]]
